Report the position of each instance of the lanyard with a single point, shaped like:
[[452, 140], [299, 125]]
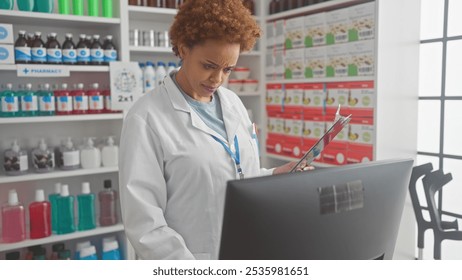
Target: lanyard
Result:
[[235, 156]]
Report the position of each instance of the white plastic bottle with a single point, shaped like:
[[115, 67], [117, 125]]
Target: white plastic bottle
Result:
[[149, 77], [70, 156], [110, 153], [171, 67], [161, 72], [90, 156]]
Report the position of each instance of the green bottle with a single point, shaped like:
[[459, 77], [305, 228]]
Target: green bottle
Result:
[[6, 4], [45, 6], [64, 7], [9, 101], [46, 101], [65, 205], [93, 8], [29, 101], [53, 198], [107, 8], [25, 5], [77, 7], [86, 205]]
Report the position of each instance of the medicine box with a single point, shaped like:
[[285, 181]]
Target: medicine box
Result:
[[6, 54], [6, 33]]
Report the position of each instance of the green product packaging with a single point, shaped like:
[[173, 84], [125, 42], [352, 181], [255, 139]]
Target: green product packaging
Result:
[[77, 7], [107, 8], [64, 7], [93, 8]]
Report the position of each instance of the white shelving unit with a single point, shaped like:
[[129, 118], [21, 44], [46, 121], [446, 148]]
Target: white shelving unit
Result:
[[62, 238], [54, 129]]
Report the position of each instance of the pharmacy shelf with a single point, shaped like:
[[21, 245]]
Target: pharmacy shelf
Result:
[[249, 94], [72, 68], [60, 238], [70, 118], [46, 19], [315, 8], [286, 158], [149, 13], [322, 80], [150, 50], [57, 174]]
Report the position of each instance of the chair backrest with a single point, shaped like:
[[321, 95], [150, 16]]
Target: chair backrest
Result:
[[417, 172], [433, 182]]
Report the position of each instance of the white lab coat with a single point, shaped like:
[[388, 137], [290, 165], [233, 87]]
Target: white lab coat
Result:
[[173, 173]]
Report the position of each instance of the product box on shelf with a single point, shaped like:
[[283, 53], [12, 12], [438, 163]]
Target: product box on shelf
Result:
[[293, 130], [294, 98], [279, 37], [6, 54], [270, 35], [362, 22], [361, 139], [341, 140], [274, 97], [294, 33], [337, 94], [6, 33], [279, 70], [314, 96], [362, 62], [334, 155], [315, 62], [362, 99], [275, 127], [338, 22], [315, 30], [294, 64], [338, 59], [269, 66], [314, 127]]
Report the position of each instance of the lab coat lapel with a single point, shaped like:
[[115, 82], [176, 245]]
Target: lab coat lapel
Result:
[[230, 116], [180, 103]]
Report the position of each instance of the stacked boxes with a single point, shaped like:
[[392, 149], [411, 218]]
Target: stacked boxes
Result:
[[299, 114], [6, 44]]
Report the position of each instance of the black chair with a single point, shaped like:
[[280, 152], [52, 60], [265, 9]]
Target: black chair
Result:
[[422, 224], [432, 183]]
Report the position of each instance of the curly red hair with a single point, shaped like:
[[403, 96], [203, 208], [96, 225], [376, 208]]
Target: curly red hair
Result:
[[201, 20]]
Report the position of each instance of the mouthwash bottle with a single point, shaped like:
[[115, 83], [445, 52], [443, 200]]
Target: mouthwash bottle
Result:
[[46, 101], [53, 198], [96, 51], [22, 51], [110, 249], [80, 100], [107, 203], [83, 51], [26, 5], [63, 98], [54, 52], [88, 253], [86, 205], [13, 219], [110, 51], [38, 49], [10, 102], [42, 158], [15, 160], [28, 101], [40, 216], [6, 4], [69, 51], [95, 100], [65, 204], [45, 6]]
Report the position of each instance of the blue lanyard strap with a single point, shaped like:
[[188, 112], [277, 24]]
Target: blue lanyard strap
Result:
[[235, 156]]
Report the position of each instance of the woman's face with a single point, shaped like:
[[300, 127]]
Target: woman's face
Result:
[[205, 67]]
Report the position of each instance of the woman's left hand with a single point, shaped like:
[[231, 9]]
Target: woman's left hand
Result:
[[288, 166]]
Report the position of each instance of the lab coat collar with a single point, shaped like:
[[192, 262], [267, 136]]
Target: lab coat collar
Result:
[[230, 113]]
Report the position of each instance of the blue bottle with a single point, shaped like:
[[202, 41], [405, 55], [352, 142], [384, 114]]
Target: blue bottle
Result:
[[65, 207], [88, 253], [86, 205], [110, 249], [79, 247]]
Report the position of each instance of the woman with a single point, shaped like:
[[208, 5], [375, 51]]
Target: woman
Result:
[[181, 143]]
